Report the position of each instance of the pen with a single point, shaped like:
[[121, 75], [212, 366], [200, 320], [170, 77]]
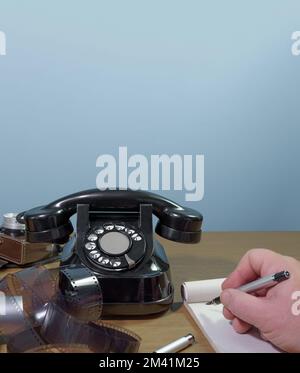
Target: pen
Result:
[[261, 283], [177, 345]]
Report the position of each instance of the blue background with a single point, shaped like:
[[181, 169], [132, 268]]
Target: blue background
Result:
[[216, 78]]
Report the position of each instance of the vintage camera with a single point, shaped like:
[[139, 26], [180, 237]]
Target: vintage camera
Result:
[[15, 249]]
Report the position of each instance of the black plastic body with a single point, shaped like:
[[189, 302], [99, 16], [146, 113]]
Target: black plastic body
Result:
[[51, 223], [143, 288], [146, 290]]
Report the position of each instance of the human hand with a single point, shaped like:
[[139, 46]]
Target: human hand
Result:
[[271, 311]]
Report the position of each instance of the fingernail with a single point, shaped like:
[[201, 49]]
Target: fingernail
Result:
[[226, 297]]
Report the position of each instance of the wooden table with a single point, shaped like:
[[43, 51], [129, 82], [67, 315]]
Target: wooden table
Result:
[[215, 256]]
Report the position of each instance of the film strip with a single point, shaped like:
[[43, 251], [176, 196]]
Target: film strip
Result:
[[58, 310], [80, 293]]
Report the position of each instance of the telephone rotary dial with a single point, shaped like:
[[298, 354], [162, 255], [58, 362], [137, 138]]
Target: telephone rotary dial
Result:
[[114, 240]]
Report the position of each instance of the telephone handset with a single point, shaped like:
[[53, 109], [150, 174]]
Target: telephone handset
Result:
[[114, 239]]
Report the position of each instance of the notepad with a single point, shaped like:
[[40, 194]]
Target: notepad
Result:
[[212, 323]]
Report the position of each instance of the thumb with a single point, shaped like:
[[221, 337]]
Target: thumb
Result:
[[251, 309]]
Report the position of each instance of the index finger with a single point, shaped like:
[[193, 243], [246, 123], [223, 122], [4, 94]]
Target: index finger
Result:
[[254, 264]]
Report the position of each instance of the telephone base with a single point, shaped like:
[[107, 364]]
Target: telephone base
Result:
[[145, 290], [137, 309]]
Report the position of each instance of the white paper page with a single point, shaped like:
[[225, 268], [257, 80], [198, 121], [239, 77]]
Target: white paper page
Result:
[[201, 291], [215, 327]]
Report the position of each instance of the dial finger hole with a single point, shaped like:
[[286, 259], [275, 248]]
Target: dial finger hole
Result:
[[90, 245]]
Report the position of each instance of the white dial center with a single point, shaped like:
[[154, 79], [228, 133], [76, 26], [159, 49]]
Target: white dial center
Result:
[[114, 243]]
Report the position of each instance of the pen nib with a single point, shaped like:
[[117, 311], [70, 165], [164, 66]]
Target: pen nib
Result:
[[214, 301]]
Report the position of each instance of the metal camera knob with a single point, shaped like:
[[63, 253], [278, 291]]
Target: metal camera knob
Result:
[[11, 226]]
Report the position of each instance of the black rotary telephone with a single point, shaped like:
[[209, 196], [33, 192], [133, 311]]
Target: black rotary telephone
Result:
[[114, 240]]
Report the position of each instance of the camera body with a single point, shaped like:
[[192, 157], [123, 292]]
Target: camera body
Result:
[[14, 248]]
